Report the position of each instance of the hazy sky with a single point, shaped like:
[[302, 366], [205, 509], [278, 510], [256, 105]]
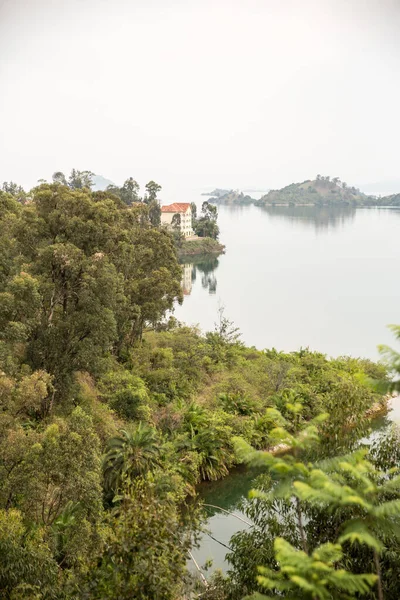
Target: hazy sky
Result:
[[190, 93]]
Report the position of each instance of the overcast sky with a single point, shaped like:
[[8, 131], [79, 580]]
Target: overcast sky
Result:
[[238, 93]]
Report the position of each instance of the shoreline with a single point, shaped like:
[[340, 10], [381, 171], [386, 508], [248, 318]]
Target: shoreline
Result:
[[200, 246]]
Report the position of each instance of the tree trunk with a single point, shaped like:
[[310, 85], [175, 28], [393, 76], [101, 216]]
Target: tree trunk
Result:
[[378, 572]]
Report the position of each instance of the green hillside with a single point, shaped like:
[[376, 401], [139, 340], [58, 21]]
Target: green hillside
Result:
[[321, 190]]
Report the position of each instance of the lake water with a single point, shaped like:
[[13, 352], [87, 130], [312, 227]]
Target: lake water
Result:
[[294, 277]]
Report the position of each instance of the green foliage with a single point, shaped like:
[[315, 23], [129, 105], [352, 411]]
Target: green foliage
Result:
[[152, 189], [321, 191], [144, 555], [27, 568], [95, 274], [126, 393], [206, 224], [76, 181], [315, 577], [308, 506], [199, 248], [134, 452]]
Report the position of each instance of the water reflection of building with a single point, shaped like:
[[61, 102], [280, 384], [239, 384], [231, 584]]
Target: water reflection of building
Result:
[[203, 266], [186, 282]]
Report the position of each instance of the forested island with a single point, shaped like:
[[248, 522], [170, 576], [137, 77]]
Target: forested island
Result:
[[321, 191], [113, 413]]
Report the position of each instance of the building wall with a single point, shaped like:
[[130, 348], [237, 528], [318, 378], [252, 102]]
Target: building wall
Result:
[[186, 221], [166, 218]]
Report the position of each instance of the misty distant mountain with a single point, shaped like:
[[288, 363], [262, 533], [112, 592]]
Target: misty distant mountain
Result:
[[100, 183]]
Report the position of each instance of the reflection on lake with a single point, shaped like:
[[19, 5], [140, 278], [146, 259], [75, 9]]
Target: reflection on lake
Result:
[[317, 217], [293, 277], [203, 268]]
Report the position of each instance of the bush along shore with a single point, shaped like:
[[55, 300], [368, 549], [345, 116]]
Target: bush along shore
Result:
[[200, 246]]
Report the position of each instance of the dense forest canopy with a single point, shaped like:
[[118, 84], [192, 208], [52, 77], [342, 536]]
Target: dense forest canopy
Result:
[[112, 413]]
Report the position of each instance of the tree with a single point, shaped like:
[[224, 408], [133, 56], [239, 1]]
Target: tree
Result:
[[77, 324], [176, 221], [152, 189], [128, 193], [27, 568], [90, 293], [154, 213], [9, 187], [206, 225], [76, 181], [145, 552], [177, 234], [80, 179], [135, 452], [59, 177]]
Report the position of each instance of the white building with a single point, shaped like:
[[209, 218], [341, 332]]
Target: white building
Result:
[[178, 208]]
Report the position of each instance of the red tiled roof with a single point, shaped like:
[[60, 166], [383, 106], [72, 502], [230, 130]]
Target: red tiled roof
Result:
[[176, 207]]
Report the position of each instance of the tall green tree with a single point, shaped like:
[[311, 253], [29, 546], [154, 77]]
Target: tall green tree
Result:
[[152, 189], [206, 225]]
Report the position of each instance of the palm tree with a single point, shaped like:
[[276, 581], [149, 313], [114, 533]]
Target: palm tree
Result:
[[216, 453], [195, 418], [134, 452]]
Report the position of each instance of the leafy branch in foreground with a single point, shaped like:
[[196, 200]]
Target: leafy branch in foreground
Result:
[[314, 576], [364, 502]]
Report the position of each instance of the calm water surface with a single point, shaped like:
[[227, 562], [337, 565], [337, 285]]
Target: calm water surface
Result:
[[294, 277], [302, 276]]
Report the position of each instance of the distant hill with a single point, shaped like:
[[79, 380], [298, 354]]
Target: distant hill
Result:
[[217, 193], [232, 197], [321, 190], [100, 183]]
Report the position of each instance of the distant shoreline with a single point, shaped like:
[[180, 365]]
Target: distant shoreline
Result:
[[321, 191]]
